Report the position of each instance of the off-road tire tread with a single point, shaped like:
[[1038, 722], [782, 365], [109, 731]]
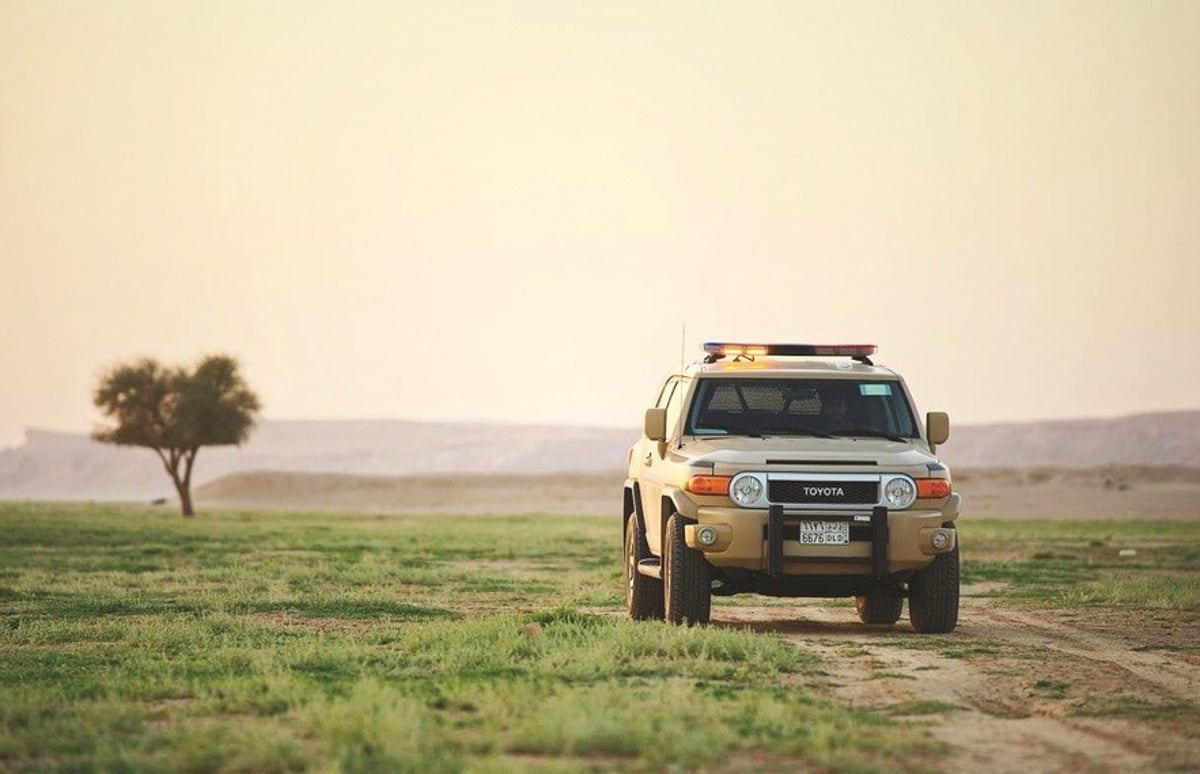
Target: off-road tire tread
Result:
[[933, 597], [687, 578], [646, 601], [879, 607]]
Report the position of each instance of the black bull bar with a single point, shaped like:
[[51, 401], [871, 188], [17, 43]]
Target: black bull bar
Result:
[[879, 541]]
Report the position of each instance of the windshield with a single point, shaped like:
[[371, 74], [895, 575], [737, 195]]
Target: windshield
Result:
[[820, 407]]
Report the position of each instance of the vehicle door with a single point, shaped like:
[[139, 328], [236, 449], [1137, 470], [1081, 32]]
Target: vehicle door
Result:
[[653, 463]]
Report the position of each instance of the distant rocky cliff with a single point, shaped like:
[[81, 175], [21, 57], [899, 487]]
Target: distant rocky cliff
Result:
[[53, 465], [1167, 438]]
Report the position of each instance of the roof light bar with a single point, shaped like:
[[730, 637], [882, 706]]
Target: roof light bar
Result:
[[724, 349]]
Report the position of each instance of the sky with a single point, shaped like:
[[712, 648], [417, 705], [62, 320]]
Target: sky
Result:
[[524, 211]]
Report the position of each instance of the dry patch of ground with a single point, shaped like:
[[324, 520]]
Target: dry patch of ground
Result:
[[1072, 493], [1014, 690], [560, 493]]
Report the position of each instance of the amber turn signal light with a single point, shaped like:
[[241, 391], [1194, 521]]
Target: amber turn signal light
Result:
[[932, 488], [708, 485]]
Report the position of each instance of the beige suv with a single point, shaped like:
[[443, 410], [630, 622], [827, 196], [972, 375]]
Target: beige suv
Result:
[[790, 470]]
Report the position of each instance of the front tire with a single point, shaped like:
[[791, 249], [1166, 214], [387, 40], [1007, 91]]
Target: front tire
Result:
[[643, 594], [687, 578], [879, 607], [933, 595]]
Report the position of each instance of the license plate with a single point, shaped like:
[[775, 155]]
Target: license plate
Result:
[[824, 533]]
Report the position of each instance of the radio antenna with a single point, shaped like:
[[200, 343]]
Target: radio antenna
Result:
[[682, 344]]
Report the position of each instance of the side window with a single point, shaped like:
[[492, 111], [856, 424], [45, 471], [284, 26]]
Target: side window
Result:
[[675, 407]]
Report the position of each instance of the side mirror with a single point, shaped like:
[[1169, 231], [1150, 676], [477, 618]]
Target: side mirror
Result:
[[937, 428], [656, 424]]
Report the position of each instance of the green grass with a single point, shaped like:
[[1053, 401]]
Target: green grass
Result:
[[1132, 708], [921, 707], [135, 640], [951, 646], [1080, 563], [1051, 689]]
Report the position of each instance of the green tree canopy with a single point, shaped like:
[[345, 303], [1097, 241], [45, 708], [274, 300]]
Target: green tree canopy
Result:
[[175, 411]]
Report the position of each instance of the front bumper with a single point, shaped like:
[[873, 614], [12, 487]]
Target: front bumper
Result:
[[882, 542]]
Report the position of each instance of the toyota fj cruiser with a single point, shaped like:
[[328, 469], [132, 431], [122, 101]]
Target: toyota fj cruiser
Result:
[[790, 470]]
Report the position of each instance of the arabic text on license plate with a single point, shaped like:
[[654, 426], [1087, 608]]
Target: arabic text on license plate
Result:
[[824, 533]]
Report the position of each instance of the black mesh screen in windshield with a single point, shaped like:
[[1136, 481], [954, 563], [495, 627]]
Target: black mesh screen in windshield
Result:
[[821, 407]]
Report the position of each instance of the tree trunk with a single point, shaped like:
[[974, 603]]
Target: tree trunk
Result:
[[185, 486], [185, 501], [185, 497], [171, 460]]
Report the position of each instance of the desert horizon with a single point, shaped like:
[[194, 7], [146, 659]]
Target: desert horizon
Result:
[[71, 466]]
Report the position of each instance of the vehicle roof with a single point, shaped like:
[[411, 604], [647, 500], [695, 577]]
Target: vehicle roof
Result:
[[766, 367]]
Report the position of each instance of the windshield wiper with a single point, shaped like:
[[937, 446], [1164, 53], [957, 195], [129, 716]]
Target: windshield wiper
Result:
[[737, 430], [869, 432]]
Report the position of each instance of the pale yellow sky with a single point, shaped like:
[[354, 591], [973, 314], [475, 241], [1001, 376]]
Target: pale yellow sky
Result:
[[506, 211]]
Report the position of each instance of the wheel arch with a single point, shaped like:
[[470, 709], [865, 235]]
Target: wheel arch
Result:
[[632, 505], [669, 509]]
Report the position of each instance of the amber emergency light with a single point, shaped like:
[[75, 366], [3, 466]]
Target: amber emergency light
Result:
[[730, 349]]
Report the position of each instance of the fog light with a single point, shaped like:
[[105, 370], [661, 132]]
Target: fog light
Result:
[[940, 540], [706, 536]]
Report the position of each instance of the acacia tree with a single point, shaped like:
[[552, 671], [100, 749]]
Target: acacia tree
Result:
[[175, 411]]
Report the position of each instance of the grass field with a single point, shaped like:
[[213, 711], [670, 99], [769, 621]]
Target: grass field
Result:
[[1079, 563], [134, 640]]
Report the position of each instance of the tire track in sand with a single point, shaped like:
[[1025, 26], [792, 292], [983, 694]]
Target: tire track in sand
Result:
[[987, 710]]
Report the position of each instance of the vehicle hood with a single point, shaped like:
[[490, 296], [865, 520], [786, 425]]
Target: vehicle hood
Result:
[[729, 455]]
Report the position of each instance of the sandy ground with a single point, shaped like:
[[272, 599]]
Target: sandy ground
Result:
[[1041, 493], [1007, 683], [582, 493], [1004, 691], [1093, 493]]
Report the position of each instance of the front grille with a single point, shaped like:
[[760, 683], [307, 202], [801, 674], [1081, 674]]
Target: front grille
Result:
[[823, 492]]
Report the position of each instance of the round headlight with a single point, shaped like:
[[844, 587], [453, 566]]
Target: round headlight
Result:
[[746, 490], [899, 492]]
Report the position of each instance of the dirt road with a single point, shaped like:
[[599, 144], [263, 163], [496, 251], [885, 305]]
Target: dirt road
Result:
[[1014, 690]]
